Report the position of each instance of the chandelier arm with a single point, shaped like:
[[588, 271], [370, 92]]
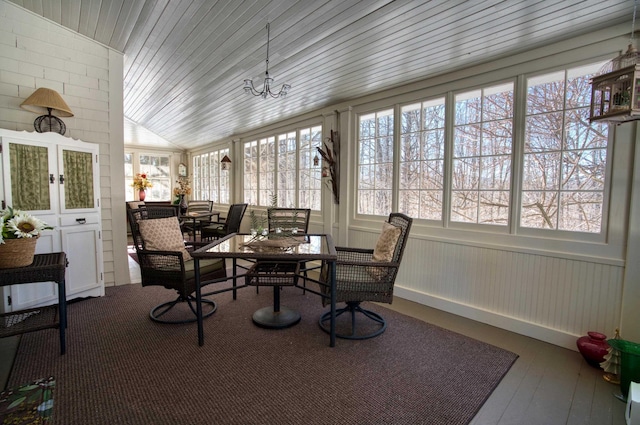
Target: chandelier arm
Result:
[[266, 84]]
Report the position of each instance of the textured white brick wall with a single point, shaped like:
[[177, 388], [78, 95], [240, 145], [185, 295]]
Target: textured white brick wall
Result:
[[37, 53]]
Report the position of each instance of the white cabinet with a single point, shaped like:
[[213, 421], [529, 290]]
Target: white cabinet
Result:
[[55, 178]]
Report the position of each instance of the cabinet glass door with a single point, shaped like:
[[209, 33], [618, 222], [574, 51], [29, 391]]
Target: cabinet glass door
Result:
[[28, 183], [77, 180]]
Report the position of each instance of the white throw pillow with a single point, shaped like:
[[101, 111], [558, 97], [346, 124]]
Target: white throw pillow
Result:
[[385, 247]]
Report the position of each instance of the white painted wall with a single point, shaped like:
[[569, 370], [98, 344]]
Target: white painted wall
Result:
[[37, 53]]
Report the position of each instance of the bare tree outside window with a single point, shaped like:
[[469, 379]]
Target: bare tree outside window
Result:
[[310, 179], [375, 163], [287, 170], [209, 181], [482, 151], [282, 165], [266, 170], [250, 172], [422, 140], [564, 156]]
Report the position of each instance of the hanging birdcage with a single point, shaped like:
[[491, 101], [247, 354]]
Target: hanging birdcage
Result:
[[615, 93]]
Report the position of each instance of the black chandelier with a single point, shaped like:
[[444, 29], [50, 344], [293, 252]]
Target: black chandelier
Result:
[[266, 88]]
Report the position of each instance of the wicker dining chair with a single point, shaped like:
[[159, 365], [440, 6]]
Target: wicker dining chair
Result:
[[231, 224], [368, 275], [197, 206], [165, 261], [288, 219]]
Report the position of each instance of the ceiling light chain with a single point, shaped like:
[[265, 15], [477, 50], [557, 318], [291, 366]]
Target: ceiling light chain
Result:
[[266, 89]]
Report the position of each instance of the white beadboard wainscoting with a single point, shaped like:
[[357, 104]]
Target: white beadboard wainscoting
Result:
[[547, 297]]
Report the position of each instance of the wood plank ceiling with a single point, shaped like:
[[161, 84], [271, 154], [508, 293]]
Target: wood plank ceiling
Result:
[[185, 61]]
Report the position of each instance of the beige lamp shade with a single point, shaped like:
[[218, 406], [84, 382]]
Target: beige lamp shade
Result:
[[44, 99]]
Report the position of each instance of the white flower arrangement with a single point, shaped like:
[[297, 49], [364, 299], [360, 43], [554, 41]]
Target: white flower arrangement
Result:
[[16, 224]]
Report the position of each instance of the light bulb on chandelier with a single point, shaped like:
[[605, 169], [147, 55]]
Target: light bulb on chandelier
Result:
[[249, 88]]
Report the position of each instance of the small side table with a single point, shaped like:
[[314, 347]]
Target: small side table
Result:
[[45, 268]]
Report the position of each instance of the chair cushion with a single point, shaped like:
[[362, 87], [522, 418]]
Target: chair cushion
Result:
[[207, 266], [385, 247], [163, 234]]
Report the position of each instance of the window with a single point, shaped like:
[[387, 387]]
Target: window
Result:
[[281, 167], [564, 167], [250, 174], [422, 159], [375, 163], [157, 167], [266, 171], [456, 163], [158, 170], [310, 183], [209, 181], [482, 145], [128, 176]]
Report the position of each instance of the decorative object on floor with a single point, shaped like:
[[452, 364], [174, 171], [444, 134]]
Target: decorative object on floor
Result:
[[48, 101], [629, 363], [225, 163], [611, 363], [141, 183], [266, 87], [440, 377], [330, 164], [593, 347], [19, 232], [615, 92], [28, 404]]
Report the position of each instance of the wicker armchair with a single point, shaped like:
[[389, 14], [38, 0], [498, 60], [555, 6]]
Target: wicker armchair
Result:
[[231, 224], [359, 278], [169, 268]]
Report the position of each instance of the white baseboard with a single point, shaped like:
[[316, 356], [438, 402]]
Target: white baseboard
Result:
[[513, 324]]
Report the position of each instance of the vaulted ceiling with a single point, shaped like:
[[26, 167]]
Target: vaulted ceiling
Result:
[[185, 61]]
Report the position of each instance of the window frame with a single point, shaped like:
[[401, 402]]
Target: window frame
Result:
[[506, 235], [264, 197], [214, 182]]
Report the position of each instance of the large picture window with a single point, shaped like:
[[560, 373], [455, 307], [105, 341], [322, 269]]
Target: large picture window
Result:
[[375, 163], [422, 159], [157, 167], [563, 182], [458, 163], [281, 168], [210, 182], [482, 145]]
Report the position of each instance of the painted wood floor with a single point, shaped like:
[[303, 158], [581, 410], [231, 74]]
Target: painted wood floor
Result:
[[547, 385]]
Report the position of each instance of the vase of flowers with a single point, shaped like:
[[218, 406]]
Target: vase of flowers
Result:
[[18, 236], [141, 183], [183, 189]]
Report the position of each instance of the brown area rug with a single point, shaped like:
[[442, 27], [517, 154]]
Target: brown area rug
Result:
[[122, 368]]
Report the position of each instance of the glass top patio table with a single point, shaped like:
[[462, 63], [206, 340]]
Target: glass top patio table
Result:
[[274, 247]]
